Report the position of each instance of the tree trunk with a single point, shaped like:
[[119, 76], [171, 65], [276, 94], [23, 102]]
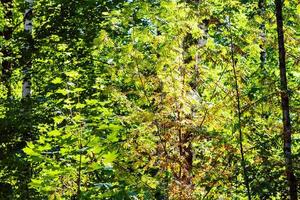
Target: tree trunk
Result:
[[27, 53], [25, 175], [287, 129]]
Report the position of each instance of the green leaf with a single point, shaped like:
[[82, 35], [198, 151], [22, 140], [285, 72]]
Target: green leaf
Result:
[[72, 74], [30, 152], [58, 119], [151, 182], [113, 137], [62, 91], [54, 133], [91, 102], [78, 118], [79, 105], [109, 158], [57, 80], [36, 182], [94, 166], [62, 47], [79, 89], [97, 149]]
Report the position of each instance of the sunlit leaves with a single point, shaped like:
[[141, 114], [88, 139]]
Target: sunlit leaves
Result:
[[138, 98], [109, 158], [58, 119], [57, 80], [54, 133], [30, 152], [73, 74]]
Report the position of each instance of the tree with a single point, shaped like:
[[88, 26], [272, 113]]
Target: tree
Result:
[[287, 129], [28, 49]]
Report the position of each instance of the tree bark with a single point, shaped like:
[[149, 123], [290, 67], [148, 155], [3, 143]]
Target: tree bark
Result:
[[287, 129], [27, 53]]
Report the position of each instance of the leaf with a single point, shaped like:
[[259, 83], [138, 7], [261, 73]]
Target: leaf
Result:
[[113, 137], [79, 105], [72, 74], [103, 127], [58, 119], [97, 149], [53, 173], [54, 133], [115, 127], [62, 91], [78, 118], [62, 47], [57, 80], [91, 102], [109, 158], [79, 89], [30, 145], [36, 182], [30, 152], [151, 182], [94, 166]]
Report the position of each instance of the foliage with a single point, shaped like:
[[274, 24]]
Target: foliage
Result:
[[137, 99]]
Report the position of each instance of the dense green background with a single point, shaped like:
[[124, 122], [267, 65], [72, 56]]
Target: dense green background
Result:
[[137, 100]]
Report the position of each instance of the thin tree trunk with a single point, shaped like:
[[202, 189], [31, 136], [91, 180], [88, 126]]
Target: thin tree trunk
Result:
[[26, 91], [287, 129], [263, 53], [26, 94], [239, 113]]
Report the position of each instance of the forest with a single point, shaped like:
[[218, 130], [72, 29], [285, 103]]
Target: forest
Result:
[[149, 99]]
